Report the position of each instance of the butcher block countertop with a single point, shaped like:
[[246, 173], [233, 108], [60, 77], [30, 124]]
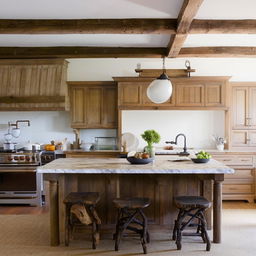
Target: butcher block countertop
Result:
[[161, 165]]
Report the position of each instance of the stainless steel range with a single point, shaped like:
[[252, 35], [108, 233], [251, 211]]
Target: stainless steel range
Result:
[[19, 181], [20, 159]]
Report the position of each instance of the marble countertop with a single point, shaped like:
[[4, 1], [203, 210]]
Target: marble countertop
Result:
[[161, 165]]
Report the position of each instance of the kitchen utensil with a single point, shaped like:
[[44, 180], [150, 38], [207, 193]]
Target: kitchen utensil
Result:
[[8, 137], [28, 145], [49, 147], [9, 146], [129, 142], [86, 146], [200, 160], [134, 160], [15, 132]]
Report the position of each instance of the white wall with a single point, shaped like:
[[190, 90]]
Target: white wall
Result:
[[46, 126], [198, 126], [241, 69]]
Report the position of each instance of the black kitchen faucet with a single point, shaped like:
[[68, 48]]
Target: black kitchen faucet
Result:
[[185, 152]]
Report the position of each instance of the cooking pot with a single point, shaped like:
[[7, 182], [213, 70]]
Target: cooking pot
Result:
[[9, 146]]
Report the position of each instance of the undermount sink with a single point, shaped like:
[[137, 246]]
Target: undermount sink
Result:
[[174, 153]]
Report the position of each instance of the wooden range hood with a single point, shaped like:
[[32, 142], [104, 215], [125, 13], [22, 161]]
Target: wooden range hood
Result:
[[33, 85]]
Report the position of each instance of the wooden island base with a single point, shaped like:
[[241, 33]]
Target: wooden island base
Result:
[[160, 188]]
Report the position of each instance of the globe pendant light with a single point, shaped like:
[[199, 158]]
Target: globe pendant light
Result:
[[160, 90]]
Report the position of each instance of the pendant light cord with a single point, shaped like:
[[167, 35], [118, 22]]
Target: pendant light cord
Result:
[[164, 70]]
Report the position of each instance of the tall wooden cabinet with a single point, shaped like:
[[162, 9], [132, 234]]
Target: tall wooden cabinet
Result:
[[243, 117], [93, 104]]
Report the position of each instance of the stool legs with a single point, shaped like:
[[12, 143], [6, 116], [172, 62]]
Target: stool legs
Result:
[[180, 225], [69, 225], [126, 217]]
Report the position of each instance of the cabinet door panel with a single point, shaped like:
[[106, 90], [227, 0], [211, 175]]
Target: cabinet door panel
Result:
[[129, 94], [238, 188], [247, 174], [252, 138], [239, 138], [77, 106], [110, 107], [240, 107], [94, 107], [214, 95], [189, 95], [252, 108]]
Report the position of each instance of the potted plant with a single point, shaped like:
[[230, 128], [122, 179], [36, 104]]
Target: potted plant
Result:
[[220, 141], [151, 137]]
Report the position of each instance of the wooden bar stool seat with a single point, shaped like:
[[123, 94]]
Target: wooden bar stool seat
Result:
[[80, 209], [131, 217], [88, 198], [132, 203], [191, 208]]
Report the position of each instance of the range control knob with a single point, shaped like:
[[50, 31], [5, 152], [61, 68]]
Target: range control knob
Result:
[[27, 158]]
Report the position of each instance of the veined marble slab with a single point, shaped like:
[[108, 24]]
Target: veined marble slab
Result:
[[161, 165]]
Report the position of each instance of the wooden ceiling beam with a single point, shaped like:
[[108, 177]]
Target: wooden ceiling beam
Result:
[[185, 18], [80, 52], [223, 27], [127, 26], [89, 26], [218, 52]]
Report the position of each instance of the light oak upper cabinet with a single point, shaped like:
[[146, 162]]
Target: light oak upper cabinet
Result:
[[129, 93], [188, 93], [215, 94], [93, 104]]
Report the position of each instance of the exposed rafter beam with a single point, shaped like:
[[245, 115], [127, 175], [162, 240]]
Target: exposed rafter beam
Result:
[[125, 26], [223, 27], [89, 26], [186, 16], [80, 52], [220, 52]]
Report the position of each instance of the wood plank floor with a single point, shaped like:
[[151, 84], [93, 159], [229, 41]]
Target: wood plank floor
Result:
[[20, 209]]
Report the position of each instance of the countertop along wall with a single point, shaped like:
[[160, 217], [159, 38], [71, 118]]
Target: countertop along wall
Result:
[[56, 125]]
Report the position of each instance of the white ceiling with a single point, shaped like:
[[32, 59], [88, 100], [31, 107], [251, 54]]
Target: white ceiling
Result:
[[85, 40], [227, 9], [88, 9], [220, 40]]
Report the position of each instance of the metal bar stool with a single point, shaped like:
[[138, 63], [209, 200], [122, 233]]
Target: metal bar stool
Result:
[[131, 217], [191, 208], [89, 201]]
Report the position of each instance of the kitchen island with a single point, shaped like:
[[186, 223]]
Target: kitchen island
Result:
[[115, 177]]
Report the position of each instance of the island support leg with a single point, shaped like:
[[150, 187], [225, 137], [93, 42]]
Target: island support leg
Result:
[[54, 214], [217, 208]]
